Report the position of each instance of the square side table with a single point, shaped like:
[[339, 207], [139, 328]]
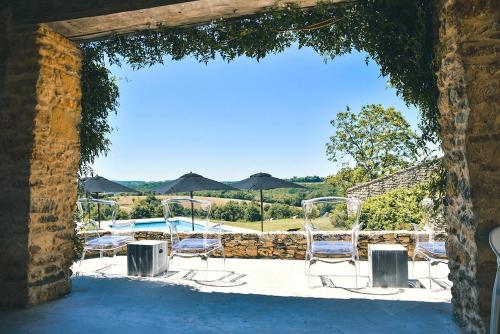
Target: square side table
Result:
[[388, 265], [147, 258]]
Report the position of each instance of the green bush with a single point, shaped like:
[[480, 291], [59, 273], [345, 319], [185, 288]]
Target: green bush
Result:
[[339, 217], [122, 214], [252, 212], [150, 207], [281, 211], [231, 211], [394, 210]]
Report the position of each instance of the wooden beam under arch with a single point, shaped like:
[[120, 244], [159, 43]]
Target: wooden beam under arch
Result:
[[84, 20]]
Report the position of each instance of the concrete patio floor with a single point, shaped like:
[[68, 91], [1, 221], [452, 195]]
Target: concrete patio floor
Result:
[[265, 296]]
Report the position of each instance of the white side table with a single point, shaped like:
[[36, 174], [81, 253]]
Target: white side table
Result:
[[147, 258], [388, 265]]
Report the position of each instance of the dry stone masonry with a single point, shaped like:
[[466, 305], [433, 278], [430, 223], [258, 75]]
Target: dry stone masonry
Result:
[[469, 85], [407, 177], [39, 153], [280, 245]]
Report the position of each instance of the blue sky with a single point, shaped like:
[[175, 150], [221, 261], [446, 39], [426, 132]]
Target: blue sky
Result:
[[229, 120]]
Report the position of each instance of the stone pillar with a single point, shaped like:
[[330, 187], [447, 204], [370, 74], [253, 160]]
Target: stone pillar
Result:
[[469, 84], [40, 108]]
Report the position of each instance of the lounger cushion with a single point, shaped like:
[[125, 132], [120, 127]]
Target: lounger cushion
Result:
[[434, 248], [332, 247], [109, 241], [191, 244]]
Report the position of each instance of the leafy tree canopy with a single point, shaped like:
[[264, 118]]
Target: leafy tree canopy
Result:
[[377, 140], [397, 34]]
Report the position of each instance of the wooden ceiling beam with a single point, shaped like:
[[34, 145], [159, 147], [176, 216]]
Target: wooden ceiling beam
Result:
[[84, 20]]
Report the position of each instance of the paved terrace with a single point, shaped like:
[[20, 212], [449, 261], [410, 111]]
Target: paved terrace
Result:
[[264, 296]]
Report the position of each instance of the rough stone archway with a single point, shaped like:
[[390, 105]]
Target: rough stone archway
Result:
[[469, 85], [40, 111]]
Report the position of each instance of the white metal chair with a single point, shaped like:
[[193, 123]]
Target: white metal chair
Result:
[[495, 301], [94, 241], [331, 251], [193, 247]]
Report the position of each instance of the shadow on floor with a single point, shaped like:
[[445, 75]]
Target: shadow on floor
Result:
[[119, 305]]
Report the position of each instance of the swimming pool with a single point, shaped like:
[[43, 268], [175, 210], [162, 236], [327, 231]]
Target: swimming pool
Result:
[[160, 225]]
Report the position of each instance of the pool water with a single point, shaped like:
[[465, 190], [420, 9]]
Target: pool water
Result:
[[160, 225]]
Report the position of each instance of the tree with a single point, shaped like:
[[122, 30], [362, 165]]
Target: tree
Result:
[[150, 207], [377, 140], [252, 212]]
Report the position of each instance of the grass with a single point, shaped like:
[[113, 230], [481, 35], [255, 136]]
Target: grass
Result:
[[281, 224]]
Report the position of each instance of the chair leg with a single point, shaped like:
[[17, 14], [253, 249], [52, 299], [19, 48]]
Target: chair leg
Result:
[[305, 265], [170, 261], [309, 272], [430, 278], [413, 266], [81, 261], [356, 270], [495, 306], [223, 259]]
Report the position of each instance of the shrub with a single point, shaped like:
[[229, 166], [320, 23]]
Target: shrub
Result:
[[231, 211], [340, 218], [122, 214], [281, 211], [252, 212], [150, 207], [394, 210]]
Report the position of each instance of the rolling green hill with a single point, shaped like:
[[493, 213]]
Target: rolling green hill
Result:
[[290, 196]]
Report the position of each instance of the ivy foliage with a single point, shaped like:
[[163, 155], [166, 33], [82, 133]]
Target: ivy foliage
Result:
[[397, 34], [100, 98]]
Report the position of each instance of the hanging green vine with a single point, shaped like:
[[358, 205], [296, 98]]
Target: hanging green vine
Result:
[[397, 34]]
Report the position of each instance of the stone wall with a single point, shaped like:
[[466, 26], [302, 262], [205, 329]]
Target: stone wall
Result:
[[39, 153], [281, 245], [469, 85], [407, 177]]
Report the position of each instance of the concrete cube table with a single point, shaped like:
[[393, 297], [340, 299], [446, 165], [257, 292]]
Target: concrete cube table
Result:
[[388, 265], [147, 258]]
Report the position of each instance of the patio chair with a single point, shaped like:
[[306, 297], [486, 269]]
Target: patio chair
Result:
[[332, 251], [433, 252], [495, 301], [120, 235], [193, 247]]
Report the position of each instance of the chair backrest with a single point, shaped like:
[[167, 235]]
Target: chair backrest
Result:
[[184, 206], [91, 227], [309, 234], [425, 233], [84, 205], [353, 207], [495, 242]]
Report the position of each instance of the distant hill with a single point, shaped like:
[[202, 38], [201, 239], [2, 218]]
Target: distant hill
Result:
[[307, 179], [147, 186], [290, 196], [143, 186]]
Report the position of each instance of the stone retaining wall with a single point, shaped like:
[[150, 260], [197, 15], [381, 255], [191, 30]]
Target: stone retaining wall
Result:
[[284, 245], [407, 177]]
